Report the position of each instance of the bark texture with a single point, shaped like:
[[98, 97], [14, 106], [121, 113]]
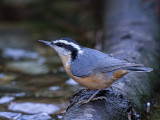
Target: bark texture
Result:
[[131, 32]]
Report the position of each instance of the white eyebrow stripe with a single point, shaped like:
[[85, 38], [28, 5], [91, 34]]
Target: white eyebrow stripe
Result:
[[70, 43]]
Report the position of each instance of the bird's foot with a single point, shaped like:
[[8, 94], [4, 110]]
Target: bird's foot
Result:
[[83, 102], [99, 98], [92, 98], [87, 101]]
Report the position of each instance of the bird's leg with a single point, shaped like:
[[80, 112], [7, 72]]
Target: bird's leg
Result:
[[91, 98]]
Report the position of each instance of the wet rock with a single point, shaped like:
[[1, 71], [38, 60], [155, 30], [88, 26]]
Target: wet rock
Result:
[[9, 115], [35, 83], [10, 89], [60, 69], [34, 108], [12, 96], [15, 38], [17, 54], [41, 116], [59, 93], [3, 107], [20, 116], [32, 67], [54, 88], [71, 82], [54, 61], [2, 75], [6, 99], [21, 94], [60, 117], [5, 78], [72, 85]]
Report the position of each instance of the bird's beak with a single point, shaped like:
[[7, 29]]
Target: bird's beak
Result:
[[45, 42]]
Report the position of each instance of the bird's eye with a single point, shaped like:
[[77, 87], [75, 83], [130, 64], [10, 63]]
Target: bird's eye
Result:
[[60, 44]]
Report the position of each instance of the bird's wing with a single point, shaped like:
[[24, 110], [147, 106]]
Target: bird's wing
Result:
[[92, 61], [111, 63]]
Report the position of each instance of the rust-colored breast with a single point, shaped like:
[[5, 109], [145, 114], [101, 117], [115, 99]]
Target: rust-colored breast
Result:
[[96, 80]]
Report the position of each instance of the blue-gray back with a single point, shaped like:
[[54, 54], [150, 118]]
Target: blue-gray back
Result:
[[92, 61]]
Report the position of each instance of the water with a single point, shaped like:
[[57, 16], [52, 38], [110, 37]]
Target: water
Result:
[[33, 84]]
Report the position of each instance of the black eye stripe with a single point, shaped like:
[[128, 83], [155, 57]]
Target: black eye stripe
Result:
[[60, 44], [70, 48]]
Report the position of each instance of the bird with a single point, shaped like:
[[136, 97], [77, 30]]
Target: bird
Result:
[[92, 68]]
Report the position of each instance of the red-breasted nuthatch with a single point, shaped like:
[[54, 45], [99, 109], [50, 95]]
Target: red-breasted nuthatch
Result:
[[91, 68]]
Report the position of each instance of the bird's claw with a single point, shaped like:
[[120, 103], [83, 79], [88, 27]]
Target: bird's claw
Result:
[[87, 101]]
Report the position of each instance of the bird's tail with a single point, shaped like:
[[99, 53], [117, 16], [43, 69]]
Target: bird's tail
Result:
[[140, 69]]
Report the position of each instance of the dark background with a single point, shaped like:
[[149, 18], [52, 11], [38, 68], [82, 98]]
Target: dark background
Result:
[[30, 20], [31, 72]]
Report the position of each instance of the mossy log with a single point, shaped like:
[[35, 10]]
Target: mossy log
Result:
[[131, 33]]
